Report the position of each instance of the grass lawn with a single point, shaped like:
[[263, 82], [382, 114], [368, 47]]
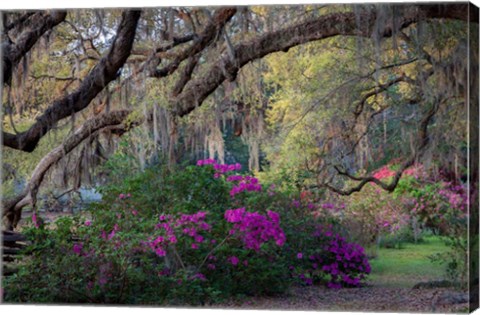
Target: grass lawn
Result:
[[403, 268]]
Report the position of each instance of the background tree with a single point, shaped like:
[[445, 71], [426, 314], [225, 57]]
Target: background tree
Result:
[[189, 77]]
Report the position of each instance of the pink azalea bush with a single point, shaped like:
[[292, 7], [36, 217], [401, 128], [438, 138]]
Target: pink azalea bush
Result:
[[438, 204], [196, 235], [255, 229]]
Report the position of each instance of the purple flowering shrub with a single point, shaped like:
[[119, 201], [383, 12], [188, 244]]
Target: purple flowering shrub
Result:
[[346, 263], [255, 229], [328, 258], [197, 235], [130, 248], [331, 260]]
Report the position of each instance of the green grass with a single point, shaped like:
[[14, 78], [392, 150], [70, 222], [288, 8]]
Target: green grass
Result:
[[407, 266]]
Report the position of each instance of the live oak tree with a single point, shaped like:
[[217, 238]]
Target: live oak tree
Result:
[[73, 81]]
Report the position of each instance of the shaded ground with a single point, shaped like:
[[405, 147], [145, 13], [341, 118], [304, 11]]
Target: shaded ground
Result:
[[394, 273], [367, 299]]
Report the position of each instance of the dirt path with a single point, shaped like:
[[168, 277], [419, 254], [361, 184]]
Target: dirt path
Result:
[[369, 299]]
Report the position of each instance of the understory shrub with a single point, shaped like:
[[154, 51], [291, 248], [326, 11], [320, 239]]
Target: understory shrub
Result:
[[419, 204], [331, 260], [191, 236]]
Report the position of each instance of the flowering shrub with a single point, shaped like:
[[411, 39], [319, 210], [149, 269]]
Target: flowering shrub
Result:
[[255, 229], [197, 235], [417, 171], [442, 206], [384, 172], [370, 214], [438, 205], [170, 226], [334, 261], [162, 247], [246, 183]]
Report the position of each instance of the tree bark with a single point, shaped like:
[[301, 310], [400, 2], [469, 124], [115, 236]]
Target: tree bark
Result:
[[13, 52], [12, 208], [218, 21], [323, 27], [101, 75]]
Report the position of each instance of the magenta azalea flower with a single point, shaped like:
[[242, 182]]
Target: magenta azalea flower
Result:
[[234, 260], [34, 220], [77, 248], [160, 252]]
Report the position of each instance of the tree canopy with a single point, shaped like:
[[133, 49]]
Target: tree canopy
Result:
[[348, 88]]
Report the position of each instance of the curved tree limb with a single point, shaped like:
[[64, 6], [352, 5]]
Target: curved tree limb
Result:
[[19, 22], [423, 140], [99, 77], [186, 75], [218, 21], [314, 29], [200, 42], [13, 52], [13, 208], [377, 90]]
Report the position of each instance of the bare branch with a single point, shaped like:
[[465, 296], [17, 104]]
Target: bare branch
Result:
[[218, 21], [377, 90], [52, 77], [422, 139], [175, 42]]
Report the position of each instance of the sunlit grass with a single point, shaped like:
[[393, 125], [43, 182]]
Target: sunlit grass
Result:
[[407, 266]]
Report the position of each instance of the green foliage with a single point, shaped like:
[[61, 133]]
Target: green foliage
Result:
[[163, 237], [402, 237], [455, 260], [162, 190], [114, 263], [311, 97]]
